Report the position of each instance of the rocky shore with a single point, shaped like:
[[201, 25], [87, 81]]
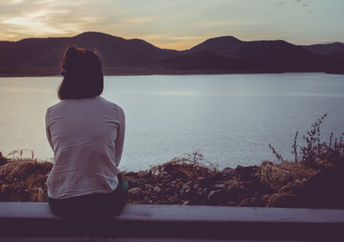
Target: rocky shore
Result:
[[191, 180]]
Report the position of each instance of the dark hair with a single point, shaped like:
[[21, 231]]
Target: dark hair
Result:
[[83, 76]]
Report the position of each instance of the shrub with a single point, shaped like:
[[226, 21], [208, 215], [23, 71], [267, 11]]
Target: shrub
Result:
[[314, 150]]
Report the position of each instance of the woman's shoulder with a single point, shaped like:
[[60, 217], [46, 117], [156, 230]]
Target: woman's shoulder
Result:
[[54, 107], [60, 105], [108, 103], [70, 105]]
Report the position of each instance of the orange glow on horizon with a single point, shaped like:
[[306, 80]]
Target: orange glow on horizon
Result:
[[175, 43], [176, 24]]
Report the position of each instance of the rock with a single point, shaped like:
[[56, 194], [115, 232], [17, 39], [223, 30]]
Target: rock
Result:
[[142, 174], [244, 202], [189, 183], [211, 195], [220, 186], [265, 197], [148, 186], [228, 182], [185, 187], [227, 170], [135, 193], [196, 186], [235, 185], [232, 203], [186, 202], [201, 180], [157, 189]]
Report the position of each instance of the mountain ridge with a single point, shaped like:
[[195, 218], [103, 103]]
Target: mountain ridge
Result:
[[223, 54]]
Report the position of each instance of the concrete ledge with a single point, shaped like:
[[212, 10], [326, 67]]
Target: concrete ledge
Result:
[[174, 221]]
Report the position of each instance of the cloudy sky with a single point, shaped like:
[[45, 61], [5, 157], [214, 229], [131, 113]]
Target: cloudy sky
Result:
[[177, 24]]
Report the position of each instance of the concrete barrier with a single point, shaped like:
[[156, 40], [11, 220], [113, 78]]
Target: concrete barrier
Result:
[[175, 222]]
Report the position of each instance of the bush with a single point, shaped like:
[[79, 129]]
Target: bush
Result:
[[314, 150]]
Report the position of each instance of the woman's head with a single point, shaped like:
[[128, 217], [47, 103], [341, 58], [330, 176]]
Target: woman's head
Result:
[[83, 76]]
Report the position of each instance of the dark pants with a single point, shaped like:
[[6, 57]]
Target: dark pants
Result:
[[91, 206]]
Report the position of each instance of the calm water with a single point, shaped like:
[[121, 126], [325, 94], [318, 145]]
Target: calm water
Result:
[[230, 119]]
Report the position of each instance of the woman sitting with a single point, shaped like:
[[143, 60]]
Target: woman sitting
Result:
[[86, 133]]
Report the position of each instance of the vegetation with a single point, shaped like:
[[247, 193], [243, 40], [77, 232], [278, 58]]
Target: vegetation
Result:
[[312, 180], [23, 179], [314, 150]]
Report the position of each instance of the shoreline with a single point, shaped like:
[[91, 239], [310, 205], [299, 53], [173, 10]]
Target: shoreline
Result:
[[313, 180], [189, 181], [152, 73]]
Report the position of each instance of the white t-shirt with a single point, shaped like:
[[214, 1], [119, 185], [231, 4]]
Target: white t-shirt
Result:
[[87, 137]]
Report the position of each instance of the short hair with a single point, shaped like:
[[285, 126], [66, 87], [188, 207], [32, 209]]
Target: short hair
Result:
[[82, 74]]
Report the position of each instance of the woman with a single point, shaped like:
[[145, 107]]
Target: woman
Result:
[[86, 133]]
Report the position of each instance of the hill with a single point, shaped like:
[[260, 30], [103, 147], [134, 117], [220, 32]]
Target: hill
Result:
[[333, 49], [262, 56], [41, 56]]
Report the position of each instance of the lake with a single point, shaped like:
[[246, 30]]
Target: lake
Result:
[[230, 119]]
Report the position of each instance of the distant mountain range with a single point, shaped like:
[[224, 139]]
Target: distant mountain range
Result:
[[41, 56]]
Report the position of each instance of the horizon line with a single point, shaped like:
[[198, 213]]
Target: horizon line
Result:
[[197, 43]]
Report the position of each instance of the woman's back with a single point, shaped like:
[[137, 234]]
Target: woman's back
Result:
[[87, 137]]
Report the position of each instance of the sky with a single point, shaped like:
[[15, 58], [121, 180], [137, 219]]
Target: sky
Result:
[[176, 24]]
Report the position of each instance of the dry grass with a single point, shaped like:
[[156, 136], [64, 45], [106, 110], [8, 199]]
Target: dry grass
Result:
[[191, 166], [23, 179], [277, 175]]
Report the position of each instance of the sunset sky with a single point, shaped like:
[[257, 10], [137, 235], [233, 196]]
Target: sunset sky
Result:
[[176, 24]]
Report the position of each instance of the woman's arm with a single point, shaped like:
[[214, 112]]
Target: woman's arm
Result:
[[47, 131], [120, 139]]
